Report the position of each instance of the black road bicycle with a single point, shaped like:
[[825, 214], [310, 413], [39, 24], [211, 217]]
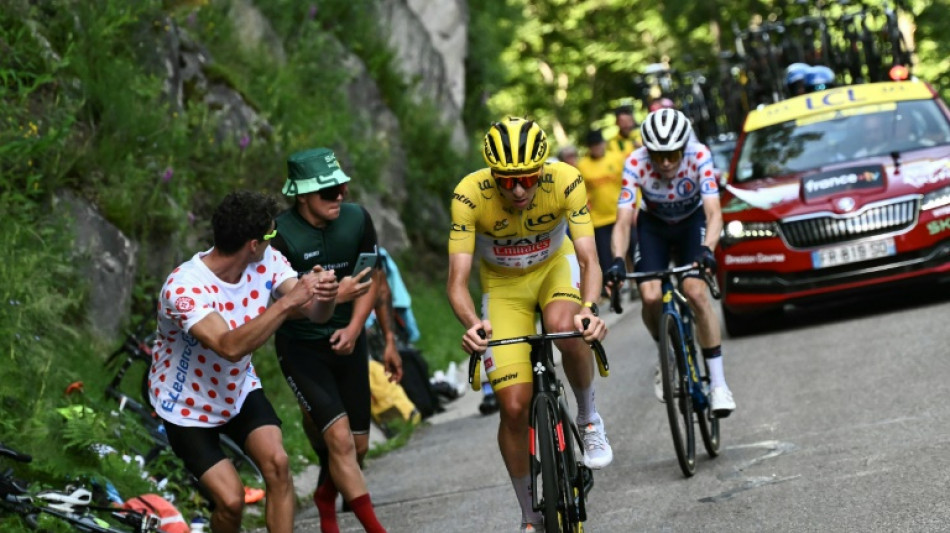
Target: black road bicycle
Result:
[[556, 446], [80, 514], [685, 383]]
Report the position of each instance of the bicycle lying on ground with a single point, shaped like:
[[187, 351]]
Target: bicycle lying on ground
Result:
[[556, 446], [74, 507], [685, 383]]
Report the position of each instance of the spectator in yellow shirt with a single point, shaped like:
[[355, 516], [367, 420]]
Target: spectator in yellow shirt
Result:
[[602, 172], [628, 136]]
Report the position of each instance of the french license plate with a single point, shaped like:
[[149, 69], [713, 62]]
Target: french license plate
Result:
[[852, 253]]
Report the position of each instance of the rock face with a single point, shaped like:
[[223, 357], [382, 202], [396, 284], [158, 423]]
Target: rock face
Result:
[[108, 260], [429, 39]]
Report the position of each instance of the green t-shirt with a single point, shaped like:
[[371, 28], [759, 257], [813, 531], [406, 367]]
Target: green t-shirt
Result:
[[335, 247]]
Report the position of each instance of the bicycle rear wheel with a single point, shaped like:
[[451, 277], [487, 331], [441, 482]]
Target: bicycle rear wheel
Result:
[[679, 404], [708, 424], [709, 429]]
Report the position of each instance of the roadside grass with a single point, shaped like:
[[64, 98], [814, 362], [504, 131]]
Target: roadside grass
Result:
[[104, 130]]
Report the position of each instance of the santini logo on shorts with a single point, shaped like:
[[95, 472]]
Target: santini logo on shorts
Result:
[[184, 304]]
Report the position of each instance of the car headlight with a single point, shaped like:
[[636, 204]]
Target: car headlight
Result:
[[935, 199], [737, 231]]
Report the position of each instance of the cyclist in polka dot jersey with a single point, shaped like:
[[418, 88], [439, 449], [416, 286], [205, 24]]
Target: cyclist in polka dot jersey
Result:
[[214, 310], [680, 220]]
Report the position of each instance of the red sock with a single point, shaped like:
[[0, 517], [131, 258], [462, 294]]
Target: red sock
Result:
[[325, 500], [363, 509]]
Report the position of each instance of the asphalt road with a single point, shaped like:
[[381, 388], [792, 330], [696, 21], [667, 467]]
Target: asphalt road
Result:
[[841, 426]]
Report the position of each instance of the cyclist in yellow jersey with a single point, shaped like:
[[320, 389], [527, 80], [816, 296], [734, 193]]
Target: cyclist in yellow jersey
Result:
[[628, 136], [514, 216]]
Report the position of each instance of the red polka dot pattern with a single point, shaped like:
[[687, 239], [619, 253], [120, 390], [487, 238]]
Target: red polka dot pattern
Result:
[[189, 382], [669, 199]]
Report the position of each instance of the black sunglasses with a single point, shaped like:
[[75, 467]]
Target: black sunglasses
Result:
[[672, 156], [332, 193]]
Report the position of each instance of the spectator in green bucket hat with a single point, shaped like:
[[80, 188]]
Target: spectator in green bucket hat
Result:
[[327, 364], [312, 170]]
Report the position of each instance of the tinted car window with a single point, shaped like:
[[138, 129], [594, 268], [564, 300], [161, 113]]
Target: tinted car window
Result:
[[801, 145]]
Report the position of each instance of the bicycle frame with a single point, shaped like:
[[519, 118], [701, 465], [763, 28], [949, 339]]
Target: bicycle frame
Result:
[[574, 478], [675, 304], [685, 382]]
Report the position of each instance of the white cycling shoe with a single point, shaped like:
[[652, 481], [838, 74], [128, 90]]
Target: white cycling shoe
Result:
[[597, 450], [720, 399]]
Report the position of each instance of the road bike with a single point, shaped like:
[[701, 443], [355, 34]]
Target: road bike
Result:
[[556, 445], [685, 383], [74, 507]]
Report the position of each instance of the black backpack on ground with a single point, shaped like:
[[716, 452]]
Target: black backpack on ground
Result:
[[415, 381], [415, 370]]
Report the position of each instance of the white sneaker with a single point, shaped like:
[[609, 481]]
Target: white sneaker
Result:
[[722, 403], [658, 384], [597, 451]]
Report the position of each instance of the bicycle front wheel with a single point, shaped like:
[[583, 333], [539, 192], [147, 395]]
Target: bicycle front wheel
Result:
[[545, 448], [679, 404], [574, 473]]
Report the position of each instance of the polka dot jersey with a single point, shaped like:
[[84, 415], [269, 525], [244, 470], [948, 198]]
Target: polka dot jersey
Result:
[[670, 200], [189, 384]]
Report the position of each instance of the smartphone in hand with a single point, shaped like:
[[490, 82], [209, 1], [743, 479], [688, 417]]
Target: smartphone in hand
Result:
[[363, 261]]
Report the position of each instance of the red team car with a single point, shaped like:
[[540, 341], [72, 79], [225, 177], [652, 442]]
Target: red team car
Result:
[[839, 190]]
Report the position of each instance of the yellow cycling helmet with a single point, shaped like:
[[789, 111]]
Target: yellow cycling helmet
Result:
[[515, 145]]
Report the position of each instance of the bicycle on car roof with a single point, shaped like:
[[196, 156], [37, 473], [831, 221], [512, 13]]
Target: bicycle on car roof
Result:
[[556, 446]]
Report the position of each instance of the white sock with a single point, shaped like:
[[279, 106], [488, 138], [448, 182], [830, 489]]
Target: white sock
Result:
[[716, 376], [522, 487], [586, 409]]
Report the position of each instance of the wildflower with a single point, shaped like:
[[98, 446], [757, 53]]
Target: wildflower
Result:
[[312, 12], [244, 141], [167, 175]]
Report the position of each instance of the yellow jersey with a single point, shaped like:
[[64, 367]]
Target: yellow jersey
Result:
[[512, 242], [603, 178]]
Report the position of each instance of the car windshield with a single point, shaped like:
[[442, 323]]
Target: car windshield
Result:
[[722, 154], [800, 145]]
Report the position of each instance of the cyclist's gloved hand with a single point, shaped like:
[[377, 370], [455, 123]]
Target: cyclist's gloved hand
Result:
[[707, 259], [617, 271]]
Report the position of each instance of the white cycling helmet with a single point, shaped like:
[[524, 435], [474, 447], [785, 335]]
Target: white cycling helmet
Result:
[[665, 130]]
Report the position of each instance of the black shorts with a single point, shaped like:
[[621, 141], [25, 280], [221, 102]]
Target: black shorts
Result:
[[658, 241], [327, 385], [200, 447]]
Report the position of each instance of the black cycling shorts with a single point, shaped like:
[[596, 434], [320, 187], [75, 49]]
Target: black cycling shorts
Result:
[[327, 385], [659, 241], [200, 447]]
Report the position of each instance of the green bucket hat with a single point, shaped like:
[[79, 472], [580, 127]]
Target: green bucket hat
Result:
[[312, 170]]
